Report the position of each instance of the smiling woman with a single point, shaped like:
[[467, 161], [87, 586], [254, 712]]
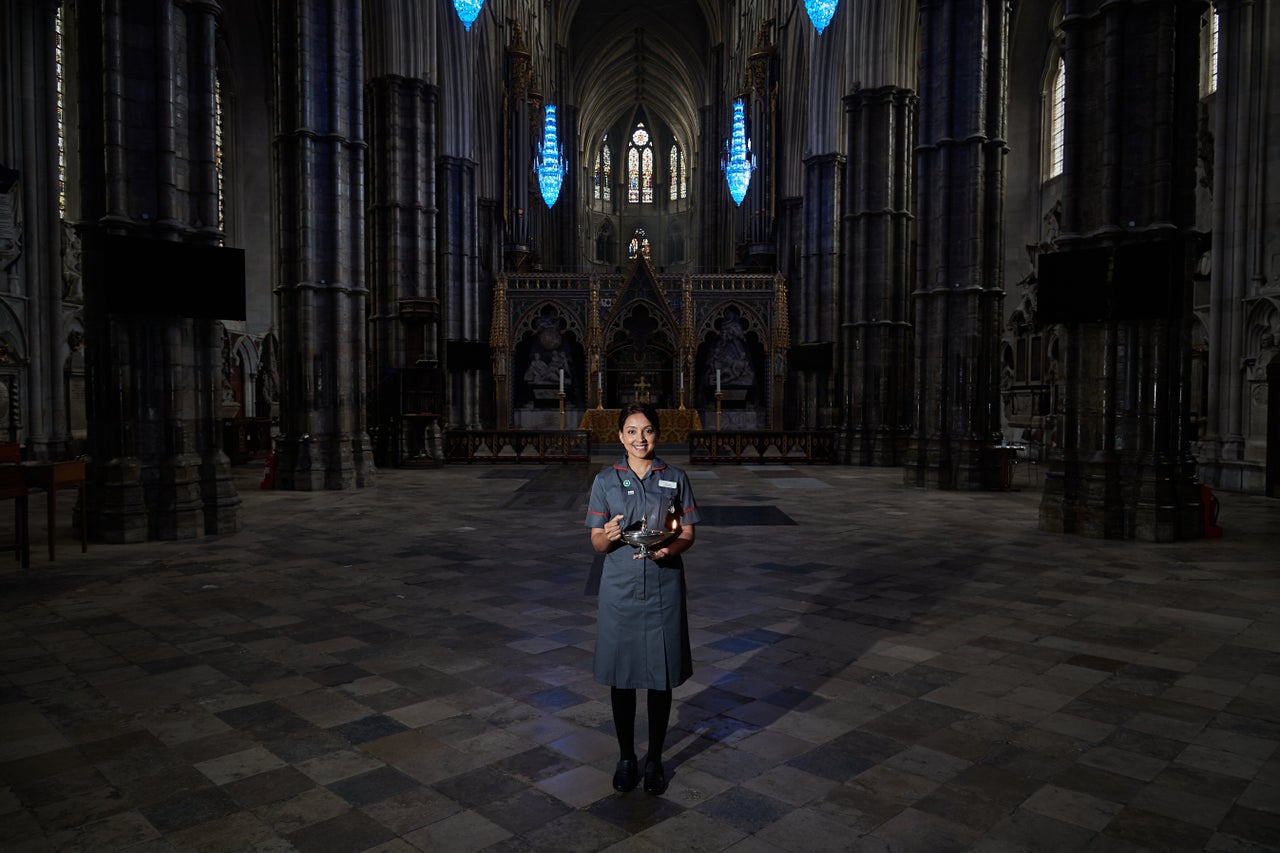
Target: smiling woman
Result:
[[642, 639]]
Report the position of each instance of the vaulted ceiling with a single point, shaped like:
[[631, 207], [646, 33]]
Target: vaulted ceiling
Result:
[[654, 54]]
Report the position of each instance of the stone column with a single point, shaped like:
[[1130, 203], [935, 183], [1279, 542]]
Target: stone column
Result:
[[814, 301], [715, 229], [959, 276], [467, 309], [147, 170], [404, 291], [1246, 221], [1125, 468], [875, 334], [31, 266], [319, 149]]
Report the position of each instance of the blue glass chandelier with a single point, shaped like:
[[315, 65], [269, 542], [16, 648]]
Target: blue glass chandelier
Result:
[[738, 165], [551, 166], [820, 12], [468, 11]]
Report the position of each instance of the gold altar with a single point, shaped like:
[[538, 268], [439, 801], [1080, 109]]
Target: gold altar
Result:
[[676, 425]]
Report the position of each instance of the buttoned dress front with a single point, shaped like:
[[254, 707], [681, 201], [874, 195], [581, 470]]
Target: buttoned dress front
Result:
[[642, 626]]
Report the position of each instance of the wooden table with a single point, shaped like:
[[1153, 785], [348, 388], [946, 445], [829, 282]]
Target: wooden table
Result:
[[49, 476]]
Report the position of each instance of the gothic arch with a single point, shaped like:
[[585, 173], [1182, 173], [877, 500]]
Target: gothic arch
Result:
[[1262, 335], [244, 357]]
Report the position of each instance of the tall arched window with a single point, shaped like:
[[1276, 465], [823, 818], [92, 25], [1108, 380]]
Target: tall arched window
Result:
[[1212, 84], [1057, 119], [603, 171], [219, 156], [676, 166], [639, 244], [62, 124], [640, 166]]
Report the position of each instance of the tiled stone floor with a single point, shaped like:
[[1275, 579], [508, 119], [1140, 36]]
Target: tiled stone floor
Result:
[[877, 668]]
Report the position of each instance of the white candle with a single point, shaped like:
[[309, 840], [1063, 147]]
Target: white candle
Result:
[[562, 380], [717, 380], [682, 380]]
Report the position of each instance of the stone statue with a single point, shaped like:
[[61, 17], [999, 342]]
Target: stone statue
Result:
[[72, 275], [268, 389], [729, 355]]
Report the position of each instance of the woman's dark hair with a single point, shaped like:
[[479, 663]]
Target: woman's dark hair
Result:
[[639, 409]]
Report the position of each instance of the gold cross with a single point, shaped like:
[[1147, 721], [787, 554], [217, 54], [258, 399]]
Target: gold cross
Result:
[[642, 390]]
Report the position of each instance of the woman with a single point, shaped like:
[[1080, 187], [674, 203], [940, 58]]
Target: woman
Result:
[[642, 638]]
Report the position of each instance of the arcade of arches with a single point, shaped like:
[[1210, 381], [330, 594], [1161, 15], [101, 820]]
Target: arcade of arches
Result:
[[1053, 225]]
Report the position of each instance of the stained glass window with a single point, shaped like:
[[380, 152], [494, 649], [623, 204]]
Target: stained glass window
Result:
[[676, 172], [603, 170], [1213, 50], [640, 167], [633, 175], [1058, 120], [673, 173], [639, 244], [219, 161], [608, 170], [646, 176], [62, 128]]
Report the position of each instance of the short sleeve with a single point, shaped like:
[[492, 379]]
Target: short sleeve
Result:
[[689, 506], [598, 503]]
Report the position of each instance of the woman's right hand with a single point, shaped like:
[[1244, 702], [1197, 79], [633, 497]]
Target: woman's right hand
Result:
[[613, 528]]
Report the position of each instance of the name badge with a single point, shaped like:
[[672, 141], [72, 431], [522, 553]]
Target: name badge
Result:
[[666, 484]]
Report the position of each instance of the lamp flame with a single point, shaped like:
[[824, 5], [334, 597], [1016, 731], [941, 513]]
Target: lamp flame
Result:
[[551, 166], [468, 11], [740, 163], [820, 12]]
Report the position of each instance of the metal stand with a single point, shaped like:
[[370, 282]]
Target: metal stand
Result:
[[719, 397], [561, 395]]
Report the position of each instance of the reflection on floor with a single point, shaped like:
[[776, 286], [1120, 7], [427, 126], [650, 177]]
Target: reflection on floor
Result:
[[407, 667]]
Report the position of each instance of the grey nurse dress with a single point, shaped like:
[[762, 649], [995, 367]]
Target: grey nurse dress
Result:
[[642, 639]]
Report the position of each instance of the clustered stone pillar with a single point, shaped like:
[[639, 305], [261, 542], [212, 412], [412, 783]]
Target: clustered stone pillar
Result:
[[29, 218], [713, 235], [876, 334], [1125, 468], [147, 170], [1246, 221], [960, 284], [319, 149], [405, 300], [814, 317], [468, 307]]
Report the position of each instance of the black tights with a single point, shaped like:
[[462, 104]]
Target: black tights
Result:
[[624, 720]]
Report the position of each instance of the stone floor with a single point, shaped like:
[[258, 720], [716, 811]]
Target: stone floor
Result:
[[407, 667]]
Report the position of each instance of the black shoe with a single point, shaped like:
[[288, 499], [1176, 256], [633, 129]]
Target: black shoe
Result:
[[655, 777], [626, 776]]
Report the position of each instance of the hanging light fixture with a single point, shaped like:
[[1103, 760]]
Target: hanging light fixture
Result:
[[468, 11], [739, 163], [820, 12], [551, 166]]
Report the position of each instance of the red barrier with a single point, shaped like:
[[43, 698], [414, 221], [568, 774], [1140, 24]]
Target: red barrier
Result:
[[269, 473], [1209, 503]]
